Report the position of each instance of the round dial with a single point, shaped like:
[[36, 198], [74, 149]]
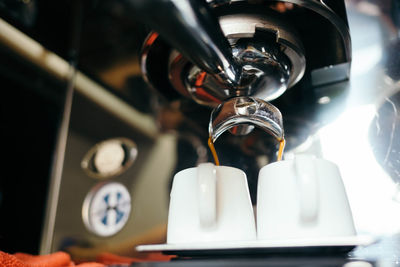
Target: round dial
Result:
[[106, 208], [109, 157]]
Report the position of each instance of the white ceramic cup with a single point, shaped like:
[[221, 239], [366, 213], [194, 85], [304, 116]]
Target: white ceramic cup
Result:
[[210, 203], [302, 198]]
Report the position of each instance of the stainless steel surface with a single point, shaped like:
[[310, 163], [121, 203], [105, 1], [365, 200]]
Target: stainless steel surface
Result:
[[354, 123], [58, 164], [248, 112], [347, 123], [191, 27], [146, 180], [120, 155], [269, 33], [244, 25], [270, 53], [35, 53], [323, 8]]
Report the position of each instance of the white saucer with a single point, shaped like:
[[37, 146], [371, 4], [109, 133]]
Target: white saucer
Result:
[[331, 244]]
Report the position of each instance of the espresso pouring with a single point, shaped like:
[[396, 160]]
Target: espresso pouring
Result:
[[282, 143]]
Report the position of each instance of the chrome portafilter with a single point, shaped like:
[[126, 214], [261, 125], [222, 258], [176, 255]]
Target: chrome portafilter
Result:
[[241, 114]]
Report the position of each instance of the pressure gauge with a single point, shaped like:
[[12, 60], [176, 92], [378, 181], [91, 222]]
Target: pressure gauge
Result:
[[106, 208]]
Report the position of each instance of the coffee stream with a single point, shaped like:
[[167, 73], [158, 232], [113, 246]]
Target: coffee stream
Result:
[[282, 143], [213, 151]]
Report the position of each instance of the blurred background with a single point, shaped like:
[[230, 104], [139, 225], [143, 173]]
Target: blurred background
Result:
[[110, 147]]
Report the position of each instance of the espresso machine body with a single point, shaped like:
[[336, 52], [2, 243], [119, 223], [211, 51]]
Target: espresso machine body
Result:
[[312, 38], [302, 46]]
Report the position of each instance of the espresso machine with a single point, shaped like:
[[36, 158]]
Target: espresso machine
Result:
[[323, 75], [200, 54]]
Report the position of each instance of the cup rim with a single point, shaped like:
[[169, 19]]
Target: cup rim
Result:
[[277, 163], [218, 167]]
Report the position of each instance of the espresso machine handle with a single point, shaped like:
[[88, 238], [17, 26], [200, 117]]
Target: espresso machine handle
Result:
[[191, 28]]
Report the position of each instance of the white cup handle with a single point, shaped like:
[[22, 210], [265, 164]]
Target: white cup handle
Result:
[[207, 194], [308, 187]]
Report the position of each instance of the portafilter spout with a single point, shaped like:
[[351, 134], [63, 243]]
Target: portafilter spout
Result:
[[244, 113], [190, 27]]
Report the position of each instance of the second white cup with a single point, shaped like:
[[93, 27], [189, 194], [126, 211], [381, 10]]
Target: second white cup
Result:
[[302, 198]]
